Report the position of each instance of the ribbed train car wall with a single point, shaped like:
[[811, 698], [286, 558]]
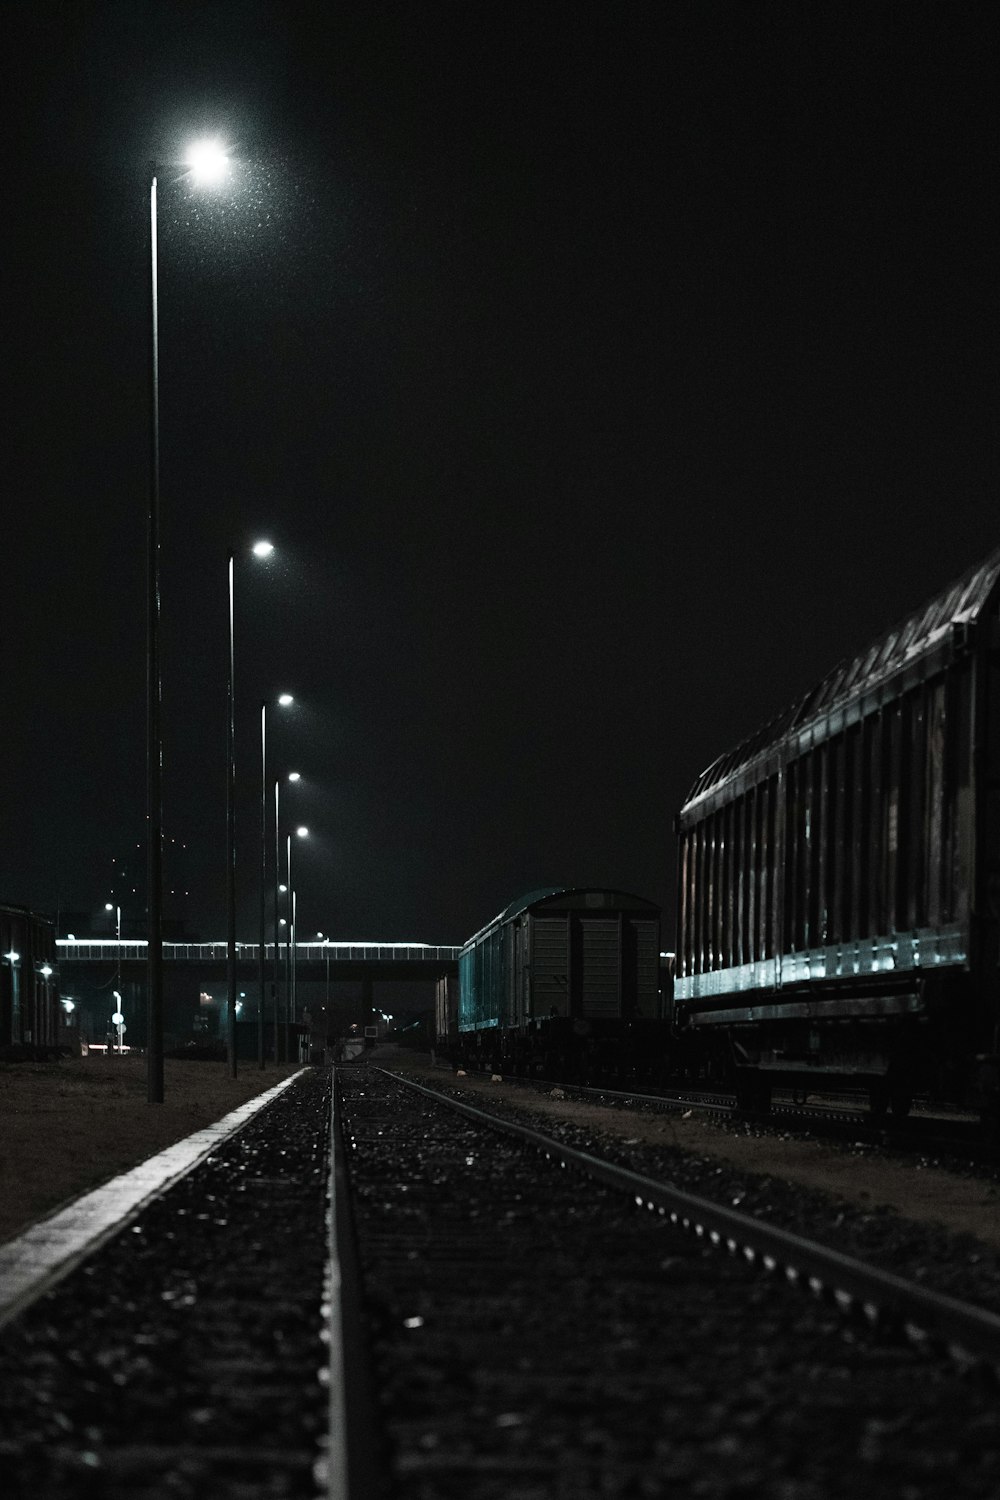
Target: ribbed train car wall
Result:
[[559, 978], [988, 840], [844, 866]]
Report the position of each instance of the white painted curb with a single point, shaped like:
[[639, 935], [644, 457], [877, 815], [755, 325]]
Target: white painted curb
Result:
[[50, 1249]]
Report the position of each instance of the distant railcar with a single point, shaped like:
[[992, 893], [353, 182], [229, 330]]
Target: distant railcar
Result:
[[839, 874], [561, 981], [31, 1015]]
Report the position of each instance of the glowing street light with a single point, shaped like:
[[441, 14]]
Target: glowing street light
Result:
[[281, 1034], [301, 832], [118, 1020], [260, 550], [264, 549], [208, 164]]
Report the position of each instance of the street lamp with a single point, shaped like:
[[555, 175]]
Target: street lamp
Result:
[[208, 163], [261, 550], [118, 1020], [110, 906], [280, 1054], [13, 958], [301, 832], [42, 1025], [264, 549], [205, 163]]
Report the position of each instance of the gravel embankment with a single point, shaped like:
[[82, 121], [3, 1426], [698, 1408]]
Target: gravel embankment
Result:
[[957, 1264], [537, 1337]]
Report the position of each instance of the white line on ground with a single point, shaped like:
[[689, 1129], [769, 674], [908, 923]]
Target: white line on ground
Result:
[[50, 1249]]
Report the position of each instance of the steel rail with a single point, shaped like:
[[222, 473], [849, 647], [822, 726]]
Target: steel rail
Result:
[[828, 1121], [929, 1319], [349, 1465]]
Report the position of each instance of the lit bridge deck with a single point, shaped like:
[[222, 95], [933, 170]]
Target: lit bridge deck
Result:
[[313, 960]]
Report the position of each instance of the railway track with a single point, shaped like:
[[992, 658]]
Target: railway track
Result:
[[931, 1132], [377, 1295], [546, 1323]]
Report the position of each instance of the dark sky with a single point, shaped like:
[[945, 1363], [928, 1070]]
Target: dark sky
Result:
[[602, 374]]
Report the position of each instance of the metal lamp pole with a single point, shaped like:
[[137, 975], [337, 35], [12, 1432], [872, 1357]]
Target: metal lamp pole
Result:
[[231, 836], [154, 748], [294, 958], [288, 942], [279, 1050], [208, 163], [262, 955], [260, 549]]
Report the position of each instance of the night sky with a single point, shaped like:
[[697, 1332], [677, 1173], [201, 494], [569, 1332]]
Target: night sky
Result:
[[602, 374]]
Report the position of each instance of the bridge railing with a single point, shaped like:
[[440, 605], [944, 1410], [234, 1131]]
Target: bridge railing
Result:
[[106, 950]]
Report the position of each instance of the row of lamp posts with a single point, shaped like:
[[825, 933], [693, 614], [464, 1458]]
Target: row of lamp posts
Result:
[[207, 163]]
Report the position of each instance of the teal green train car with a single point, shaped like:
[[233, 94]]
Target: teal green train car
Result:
[[564, 982]]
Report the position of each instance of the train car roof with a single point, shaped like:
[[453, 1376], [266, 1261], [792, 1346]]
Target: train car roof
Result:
[[568, 895], [960, 604]]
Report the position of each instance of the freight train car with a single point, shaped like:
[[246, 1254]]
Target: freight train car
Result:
[[31, 1016], [564, 983], [839, 874]]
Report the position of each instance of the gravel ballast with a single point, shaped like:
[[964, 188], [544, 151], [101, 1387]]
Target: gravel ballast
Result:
[[538, 1336], [182, 1359]]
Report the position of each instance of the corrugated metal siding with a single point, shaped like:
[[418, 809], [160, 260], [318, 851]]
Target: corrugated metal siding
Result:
[[854, 688], [550, 964], [647, 946], [600, 987]]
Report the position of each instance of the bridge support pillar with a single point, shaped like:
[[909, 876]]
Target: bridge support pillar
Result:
[[367, 999]]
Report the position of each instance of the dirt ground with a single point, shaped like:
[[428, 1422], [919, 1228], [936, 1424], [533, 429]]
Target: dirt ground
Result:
[[68, 1126], [919, 1191]]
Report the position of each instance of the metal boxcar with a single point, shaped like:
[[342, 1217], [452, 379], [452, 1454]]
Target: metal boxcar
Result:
[[839, 873], [563, 979]]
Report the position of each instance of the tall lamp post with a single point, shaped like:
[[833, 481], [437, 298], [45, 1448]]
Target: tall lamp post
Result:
[[260, 549], [280, 1052], [207, 162], [154, 748], [285, 700], [302, 833]]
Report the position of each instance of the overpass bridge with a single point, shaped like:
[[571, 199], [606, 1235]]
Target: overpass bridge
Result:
[[319, 959]]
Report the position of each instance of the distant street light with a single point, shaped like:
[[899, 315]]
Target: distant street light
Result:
[[118, 1020], [302, 833], [110, 906], [284, 699], [13, 958], [280, 1049], [260, 549], [208, 164], [295, 956]]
